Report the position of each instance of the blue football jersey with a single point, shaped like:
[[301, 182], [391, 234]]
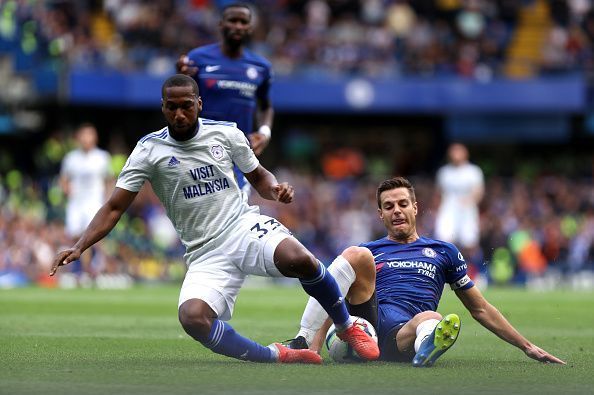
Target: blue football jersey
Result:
[[411, 277], [231, 88]]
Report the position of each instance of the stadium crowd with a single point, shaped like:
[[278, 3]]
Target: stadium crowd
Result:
[[472, 38], [530, 226]]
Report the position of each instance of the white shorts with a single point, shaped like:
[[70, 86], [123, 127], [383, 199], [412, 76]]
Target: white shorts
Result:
[[216, 276], [78, 217], [458, 226]]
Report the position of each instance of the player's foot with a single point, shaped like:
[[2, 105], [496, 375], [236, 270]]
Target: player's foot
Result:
[[298, 343], [439, 341], [288, 355], [361, 342]]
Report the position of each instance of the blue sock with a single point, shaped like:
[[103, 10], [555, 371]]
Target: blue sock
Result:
[[325, 290], [224, 340]]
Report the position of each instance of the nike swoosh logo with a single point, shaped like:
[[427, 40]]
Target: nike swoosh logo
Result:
[[210, 69], [380, 254]]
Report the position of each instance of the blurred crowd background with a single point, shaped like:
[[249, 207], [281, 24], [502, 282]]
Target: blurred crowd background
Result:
[[537, 215], [472, 38]]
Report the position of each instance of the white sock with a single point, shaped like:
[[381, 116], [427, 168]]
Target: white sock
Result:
[[275, 354], [314, 314], [423, 330]]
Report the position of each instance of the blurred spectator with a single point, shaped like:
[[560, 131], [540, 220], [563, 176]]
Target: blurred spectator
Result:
[[84, 177], [461, 188]]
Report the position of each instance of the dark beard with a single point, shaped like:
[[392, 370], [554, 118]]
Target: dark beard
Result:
[[191, 132]]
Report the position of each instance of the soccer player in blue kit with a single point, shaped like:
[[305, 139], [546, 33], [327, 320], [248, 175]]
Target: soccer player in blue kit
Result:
[[396, 283], [234, 82], [189, 164]]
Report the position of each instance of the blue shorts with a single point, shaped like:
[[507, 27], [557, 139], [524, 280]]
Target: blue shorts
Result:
[[390, 320]]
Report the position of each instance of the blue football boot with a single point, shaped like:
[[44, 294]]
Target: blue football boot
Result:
[[439, 341]]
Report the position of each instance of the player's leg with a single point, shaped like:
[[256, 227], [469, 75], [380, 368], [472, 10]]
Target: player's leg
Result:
[[469, 246], [200, 322], [75, 224], [354, 272], [411, 335], [292, 259], [207, 298], [445, 224], [434, 337]]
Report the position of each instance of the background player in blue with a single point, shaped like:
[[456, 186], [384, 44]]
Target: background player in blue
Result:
[[396, 283], [234, 82], [189, 164]]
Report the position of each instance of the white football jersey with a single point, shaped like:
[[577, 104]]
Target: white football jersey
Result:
[[86, 173], [457, 184], [194, 179]]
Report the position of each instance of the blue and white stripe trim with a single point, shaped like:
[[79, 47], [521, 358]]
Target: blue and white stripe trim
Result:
[[318, 278], [217, 334], [207, 121], [161, 134]]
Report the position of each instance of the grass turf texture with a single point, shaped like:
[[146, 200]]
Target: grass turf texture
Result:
[[130, 342]]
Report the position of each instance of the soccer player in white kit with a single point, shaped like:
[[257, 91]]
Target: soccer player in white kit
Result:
[[190, 166], [461, 185], [84, 177]]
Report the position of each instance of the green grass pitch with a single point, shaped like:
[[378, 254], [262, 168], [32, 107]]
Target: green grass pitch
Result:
[[130, 342]]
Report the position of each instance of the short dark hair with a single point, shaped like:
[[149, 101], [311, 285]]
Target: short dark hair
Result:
[[393, 183], [237, 5], [179, 80]]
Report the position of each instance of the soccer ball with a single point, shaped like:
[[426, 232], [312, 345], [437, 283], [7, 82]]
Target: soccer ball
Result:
[[341, 351]]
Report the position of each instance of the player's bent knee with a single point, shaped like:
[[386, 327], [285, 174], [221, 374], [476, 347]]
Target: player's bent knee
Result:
[[360, 258], [304, 265], [194, 316], [294, 260], [427, 315]]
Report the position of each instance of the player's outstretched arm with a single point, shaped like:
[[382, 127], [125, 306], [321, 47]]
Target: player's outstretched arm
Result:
[[268, 187], [103, 222], [489, 317]]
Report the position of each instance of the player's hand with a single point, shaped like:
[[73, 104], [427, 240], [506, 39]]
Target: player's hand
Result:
[[283, 192], [185, 66], [259, 142], [64, 258], [541, 355]]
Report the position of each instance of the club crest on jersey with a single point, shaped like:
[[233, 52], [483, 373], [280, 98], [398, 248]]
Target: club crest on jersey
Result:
[[429, 252], [252, 73], [216, 151]]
